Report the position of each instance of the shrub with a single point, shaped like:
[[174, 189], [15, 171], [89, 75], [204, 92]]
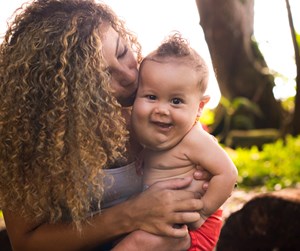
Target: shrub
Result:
[[274, 167]]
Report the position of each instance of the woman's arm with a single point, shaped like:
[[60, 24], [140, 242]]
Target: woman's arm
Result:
[[28, 235], [172, 205], [141, 240]]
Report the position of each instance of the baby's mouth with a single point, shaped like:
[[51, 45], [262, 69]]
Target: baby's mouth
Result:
[[163, 125]]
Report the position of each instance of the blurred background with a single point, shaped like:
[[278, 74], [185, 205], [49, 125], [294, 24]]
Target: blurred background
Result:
[[252, 49], [153, 20]]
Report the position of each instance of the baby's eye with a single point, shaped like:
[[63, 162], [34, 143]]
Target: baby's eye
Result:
[[151, 97], [177, 101]]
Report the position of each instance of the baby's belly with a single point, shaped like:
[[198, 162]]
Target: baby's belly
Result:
[[154, 175]]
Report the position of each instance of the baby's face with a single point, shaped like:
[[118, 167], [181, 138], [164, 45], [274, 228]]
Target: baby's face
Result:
[[167, 104]]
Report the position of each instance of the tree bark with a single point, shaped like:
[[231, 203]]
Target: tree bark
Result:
[[240, 68], [296, 117]]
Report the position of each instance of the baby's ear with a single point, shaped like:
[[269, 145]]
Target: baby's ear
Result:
[[203, 102]]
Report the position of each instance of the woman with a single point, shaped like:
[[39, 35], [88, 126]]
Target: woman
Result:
[[68, 74]]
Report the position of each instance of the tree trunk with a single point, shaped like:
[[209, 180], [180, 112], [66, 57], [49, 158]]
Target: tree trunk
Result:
[[296, 117], [239, 66]]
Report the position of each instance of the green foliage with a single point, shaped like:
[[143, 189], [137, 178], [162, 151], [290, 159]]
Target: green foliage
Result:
[[288, 104], [275, 167], [207, 117], [298, 39], [237, 103], [239, 113]]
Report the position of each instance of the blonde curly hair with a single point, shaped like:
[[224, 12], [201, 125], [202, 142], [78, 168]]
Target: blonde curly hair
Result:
[[59, 123]]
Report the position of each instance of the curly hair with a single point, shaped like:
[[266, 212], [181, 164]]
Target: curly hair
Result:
[[59, 122]]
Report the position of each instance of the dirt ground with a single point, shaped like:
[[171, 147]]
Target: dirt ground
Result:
[[236, 201]]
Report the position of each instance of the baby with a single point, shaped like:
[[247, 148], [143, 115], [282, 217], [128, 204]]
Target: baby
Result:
[[170, 98]]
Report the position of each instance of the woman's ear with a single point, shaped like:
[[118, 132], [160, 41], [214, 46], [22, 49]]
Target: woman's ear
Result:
[[203, 102]]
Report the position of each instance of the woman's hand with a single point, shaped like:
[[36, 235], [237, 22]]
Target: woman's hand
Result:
[[164, 204], [203, 176], [141, 240]]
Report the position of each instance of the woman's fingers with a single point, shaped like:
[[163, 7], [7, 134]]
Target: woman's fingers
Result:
[[176, 232], [173, 184], [165, 204], [176, 200], [202, 175], [188, 204], [141, 240]]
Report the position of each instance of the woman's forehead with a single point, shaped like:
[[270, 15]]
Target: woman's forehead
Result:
[[110, 41]]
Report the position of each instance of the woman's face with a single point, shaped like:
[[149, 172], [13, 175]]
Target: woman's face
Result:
[[122, 66]]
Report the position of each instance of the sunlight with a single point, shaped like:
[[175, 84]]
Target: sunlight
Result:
[[152, 23], [271, 30], [153, 20]]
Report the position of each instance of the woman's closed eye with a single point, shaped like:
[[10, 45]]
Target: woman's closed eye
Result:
[[122, 53]]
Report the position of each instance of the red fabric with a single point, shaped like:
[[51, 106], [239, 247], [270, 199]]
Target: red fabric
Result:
[[205, 127], [206, 237]]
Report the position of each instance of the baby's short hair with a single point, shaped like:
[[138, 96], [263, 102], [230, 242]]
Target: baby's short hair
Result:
[[176, 48]]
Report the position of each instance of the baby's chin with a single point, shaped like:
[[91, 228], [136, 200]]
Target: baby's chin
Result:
[[159, 147]]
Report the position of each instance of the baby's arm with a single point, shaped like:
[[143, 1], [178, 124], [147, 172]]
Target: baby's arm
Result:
[[202, 149]]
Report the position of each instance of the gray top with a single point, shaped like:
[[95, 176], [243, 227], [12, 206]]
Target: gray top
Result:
[[120, 184]]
